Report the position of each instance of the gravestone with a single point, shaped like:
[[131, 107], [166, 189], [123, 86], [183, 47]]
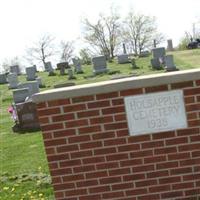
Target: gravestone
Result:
[[30, 72], [124, 48], [63, 65], [99, 65], [48, 67], [123, 58], [15, 69], [70, 74], [12, 81], [33, 87], [27, 119], [77, 65], [35, 67], [3, 78], [158, 57], [170, 45], [169, 63], [19, 95], [39, 80]]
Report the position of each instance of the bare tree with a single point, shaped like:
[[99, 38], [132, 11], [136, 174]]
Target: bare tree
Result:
[[67, 50], [141, 30], [42, 49], [7, 62], [103, 35]]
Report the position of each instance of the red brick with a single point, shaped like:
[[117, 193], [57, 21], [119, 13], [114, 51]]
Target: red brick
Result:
[[165, 150], [190, 162], [194, 123], [192, 107], [195, 138], [182, 186], [86, 183], [48, 112], [53, 165], [182, 85], [155, 159], [67, 148], [90, 145], [188, 147], [64, 117], [56, 180], [139, 138], [41, 105], [192, 192], [82, 99], [133, 177], [176, 141], [131, 162], [99, 104], [58, 172], [158, 174], [96, 175], [122, 186], [113, 110], [116, 141], [106, 95], [196, 153], [107, 150], [172, 194], [109, 180], [100, 120], [90, 197], [163, 135], [59, 157], [86, 114], [191, 116], [142, 153], [76, 123], [73, 108], [145, 183], [147, 145], [192, 91], [169, 180], [70, 163], [167, 165], [112, 195], [189, 131], [198, 98], [184, 170], [120, 117], [135, 192], [143, 168], [58, 102], [75, 192], [64, 133], [197, 82], [117, 157], [115, 126], [55, 142], [63, 186], [94, 160], [51, 127], [156, 88], [130, 147], [59, 194], [50, 150], [116, 102], [190, 177], [78, 139], [99, 189], [149, 196], [189, 100], [108, 165], [103, 135], [84, 168], [81, 154], [47, 135], [89, 129], [43, 120], [120, 171], [131, 92], [74, 177], [178, 156], [122, 133]]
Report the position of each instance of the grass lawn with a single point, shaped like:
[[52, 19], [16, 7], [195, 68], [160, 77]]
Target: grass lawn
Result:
[[23, 166]]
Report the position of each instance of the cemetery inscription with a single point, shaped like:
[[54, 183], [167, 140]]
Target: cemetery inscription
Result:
[[156, 112]]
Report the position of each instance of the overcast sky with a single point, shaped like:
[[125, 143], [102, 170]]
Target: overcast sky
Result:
[[23, 21]]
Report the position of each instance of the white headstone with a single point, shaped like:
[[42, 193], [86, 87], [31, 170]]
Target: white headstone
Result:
[[33, 87], [12, 81], [155, 112], [99, 64], [123, 58], [3, 78], [19, 95], [30, 72]]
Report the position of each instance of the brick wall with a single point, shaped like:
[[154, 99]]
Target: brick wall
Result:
[[91, 155]]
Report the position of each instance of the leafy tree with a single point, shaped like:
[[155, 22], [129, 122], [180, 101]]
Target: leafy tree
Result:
[[85, 56]]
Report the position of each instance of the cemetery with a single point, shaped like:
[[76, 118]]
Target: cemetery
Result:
[[116, 90]]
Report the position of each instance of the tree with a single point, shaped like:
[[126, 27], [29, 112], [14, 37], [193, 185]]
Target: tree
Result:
[[67, 50], [103, 35], [85, 56], [140, 30], [185, 40], [10, 62], [42, 49]]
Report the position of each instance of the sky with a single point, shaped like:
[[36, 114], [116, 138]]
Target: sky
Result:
[[22, 22]]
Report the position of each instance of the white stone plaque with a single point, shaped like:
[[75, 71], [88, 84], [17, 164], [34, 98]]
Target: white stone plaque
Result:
[[155, 112]]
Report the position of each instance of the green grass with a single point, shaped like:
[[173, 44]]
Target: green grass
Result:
[[23, 166]]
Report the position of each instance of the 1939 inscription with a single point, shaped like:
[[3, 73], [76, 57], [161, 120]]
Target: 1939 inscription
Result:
[[155, 112]]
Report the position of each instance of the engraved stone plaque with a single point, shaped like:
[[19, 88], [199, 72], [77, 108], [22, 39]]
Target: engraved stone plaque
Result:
[[155, 112]]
